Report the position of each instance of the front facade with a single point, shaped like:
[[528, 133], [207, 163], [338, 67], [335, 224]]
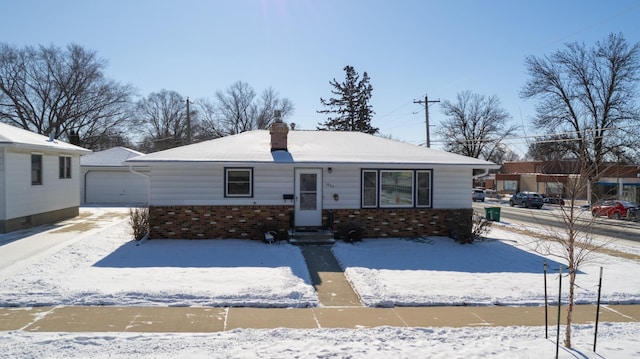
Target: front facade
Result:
[[39, 179], [241, 186]]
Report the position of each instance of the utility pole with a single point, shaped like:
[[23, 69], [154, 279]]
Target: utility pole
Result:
[[426, 115], [188, 123]]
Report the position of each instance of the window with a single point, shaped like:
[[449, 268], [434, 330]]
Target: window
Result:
[[396, 188], [65, 167], [369, 188], [510, 185], [423, 188], [238, 182], [36, 169]]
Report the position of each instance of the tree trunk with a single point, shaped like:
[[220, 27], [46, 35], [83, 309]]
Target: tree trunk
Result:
[[572, 280]]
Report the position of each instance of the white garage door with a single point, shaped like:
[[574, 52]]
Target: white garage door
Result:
[[115, 187]]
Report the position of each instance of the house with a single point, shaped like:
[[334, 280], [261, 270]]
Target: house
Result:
[[239, 186], [106, 179], [39, 179]]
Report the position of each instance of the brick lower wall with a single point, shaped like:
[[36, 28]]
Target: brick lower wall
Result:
[[208, 222]]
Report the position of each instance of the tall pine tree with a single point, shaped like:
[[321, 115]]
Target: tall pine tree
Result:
[[350, 106]]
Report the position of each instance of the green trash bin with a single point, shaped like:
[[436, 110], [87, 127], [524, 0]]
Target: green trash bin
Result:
[[492, 213]]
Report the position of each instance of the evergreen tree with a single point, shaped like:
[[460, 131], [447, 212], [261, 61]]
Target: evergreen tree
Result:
[[350, 106]]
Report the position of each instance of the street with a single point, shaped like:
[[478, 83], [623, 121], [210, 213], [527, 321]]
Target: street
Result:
[[552, 217]]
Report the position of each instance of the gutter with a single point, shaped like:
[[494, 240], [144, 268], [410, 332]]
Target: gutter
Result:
[[148, 177]]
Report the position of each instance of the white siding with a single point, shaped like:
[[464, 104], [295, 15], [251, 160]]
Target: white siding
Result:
[[203, 184], [452, 187], [23, 199], [3, 189]]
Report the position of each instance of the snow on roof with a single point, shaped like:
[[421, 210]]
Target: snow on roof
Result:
[[310, 147], [17, 137], [113, 157]]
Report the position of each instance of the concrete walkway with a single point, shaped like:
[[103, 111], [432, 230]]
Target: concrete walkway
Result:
[[207, 320], [328, 278]]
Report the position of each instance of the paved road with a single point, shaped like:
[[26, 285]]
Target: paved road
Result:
[[550, 216]]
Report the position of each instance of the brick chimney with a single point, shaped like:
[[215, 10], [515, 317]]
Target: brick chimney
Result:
[[278, 131]]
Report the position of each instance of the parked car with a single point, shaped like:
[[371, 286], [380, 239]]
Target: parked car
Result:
[[527, 199], [477, 195], [553, 200], [633, 214], [612, 209]]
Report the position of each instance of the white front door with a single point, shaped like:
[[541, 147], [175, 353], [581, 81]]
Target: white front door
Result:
[[308, 203]]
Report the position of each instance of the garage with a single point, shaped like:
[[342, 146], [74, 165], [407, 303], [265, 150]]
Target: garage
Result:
[[107, 180], [115, 187]]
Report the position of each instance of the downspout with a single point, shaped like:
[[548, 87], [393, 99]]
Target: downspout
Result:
[[484, 173], [148, 177]]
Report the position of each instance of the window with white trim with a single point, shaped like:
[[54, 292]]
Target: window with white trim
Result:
[[64, 167], [238, 182]]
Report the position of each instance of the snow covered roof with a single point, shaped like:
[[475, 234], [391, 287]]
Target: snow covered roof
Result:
[[17, 137], [310, 147], [113, 157]]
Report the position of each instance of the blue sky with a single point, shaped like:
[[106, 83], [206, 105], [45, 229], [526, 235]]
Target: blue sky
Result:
[[408, 48]]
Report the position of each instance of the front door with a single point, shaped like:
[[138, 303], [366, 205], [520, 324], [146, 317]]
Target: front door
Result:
[[308, 204]]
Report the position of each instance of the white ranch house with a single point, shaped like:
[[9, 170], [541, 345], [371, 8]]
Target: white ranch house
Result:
[[106, 179], [39, 179], [239, 186]]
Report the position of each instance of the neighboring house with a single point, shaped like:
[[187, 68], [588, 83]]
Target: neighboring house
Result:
[[238, 186], [39, 179], [107, 179]]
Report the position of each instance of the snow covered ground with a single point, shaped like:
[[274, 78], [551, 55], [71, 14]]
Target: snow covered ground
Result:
[[104, 267]]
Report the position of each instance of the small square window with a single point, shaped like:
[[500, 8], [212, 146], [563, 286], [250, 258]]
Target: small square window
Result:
[[238, 182]]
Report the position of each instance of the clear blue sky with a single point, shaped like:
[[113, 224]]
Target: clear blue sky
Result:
[[408, 48]]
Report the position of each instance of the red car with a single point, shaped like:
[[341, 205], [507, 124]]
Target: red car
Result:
[[612, 209]]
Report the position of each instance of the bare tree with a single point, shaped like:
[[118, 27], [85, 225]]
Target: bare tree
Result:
[[591, 95], [50, 90], [238, 109], [575, 244], [162, 116], [476, 126]]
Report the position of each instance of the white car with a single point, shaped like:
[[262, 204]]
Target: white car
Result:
[[477, 195]]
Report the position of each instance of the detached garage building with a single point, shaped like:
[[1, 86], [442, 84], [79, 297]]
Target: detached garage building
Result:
[[107, 180]]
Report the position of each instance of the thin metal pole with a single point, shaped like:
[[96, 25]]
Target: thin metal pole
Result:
[[559, 303], [546, 304], [595, 334]]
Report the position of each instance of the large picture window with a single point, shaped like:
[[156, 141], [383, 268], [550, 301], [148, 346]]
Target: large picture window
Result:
[[36, 169], [238, 182], [64, 167], [396, 188]]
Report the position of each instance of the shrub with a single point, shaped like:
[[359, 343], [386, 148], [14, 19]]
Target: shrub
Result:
[[139, 222]]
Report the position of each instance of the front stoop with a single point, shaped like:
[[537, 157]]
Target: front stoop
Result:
[[300, 236]]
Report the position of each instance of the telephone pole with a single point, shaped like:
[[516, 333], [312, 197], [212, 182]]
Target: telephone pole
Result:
[[188, 123], [426, 115]]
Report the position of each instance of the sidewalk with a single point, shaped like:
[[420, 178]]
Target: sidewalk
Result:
[[207, 320]]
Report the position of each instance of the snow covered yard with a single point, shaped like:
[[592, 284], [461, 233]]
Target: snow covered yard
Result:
[[105, 267]]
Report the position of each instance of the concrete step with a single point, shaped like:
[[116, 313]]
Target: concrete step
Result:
[[310, 236]]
